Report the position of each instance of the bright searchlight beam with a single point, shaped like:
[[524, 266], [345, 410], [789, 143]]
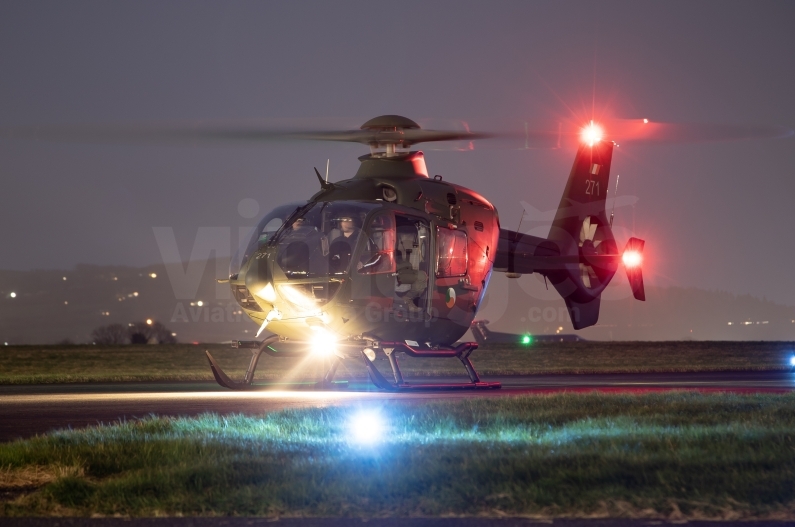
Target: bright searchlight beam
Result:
[[592, 134], [323, 342], [366, 427]]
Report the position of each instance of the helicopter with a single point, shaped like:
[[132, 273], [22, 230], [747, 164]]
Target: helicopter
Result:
[[394, 262]]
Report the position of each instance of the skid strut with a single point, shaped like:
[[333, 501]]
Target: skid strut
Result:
[[256, 352], [257, 349], [461, 352]]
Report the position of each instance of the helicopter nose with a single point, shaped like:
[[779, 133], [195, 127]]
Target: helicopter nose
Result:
[[259, 281]]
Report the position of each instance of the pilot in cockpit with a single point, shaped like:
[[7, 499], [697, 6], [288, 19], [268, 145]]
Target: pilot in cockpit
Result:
[[298, 224], [300, 228], [346, 227], [342, 241]]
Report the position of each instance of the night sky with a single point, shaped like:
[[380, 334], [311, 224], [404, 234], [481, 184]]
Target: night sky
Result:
[[715, 215]]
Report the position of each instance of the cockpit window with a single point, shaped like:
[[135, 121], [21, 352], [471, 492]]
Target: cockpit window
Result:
[[321, 240], [260, 235]]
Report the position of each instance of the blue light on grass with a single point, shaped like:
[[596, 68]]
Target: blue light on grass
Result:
[[366, 427]]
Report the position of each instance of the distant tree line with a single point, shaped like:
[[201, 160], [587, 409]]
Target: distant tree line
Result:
[[138, 333]]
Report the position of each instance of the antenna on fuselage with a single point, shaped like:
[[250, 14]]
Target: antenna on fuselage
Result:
[[328, 161], [520, 221], [615, 196]]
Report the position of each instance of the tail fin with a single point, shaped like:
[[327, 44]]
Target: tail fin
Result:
[[580, 255], [583, 198], [581, 230]]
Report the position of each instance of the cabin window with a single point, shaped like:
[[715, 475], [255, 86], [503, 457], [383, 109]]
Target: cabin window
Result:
[[412, 262], [451, 255], [379, 251]]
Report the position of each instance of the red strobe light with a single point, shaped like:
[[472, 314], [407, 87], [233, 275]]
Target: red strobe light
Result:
[[632, 258], [592, 134]]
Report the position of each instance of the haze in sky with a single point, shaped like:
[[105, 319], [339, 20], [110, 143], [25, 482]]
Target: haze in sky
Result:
[[714, 215]]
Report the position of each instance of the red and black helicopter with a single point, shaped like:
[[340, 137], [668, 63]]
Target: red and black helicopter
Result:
[[393, 261]]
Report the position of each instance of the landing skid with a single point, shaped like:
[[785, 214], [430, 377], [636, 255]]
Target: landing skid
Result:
[[461, 352], [257, 349], [391, 349]]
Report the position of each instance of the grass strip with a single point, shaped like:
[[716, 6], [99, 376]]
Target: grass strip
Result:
[[185, 362], [678, 455]]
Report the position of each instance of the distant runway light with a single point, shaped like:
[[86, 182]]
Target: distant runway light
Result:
[[792, 361], [200, 303], [13, 294], [151, 275], [149, 321]]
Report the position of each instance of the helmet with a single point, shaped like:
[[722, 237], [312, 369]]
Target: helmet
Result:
[[346, 215]]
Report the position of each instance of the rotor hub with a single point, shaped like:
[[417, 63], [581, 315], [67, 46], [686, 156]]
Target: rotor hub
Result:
[[388, 133], [390, 123]]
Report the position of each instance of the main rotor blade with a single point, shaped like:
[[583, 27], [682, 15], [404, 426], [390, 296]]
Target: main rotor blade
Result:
[[648, 131], [231, 134], [515, 136], [635, 131]]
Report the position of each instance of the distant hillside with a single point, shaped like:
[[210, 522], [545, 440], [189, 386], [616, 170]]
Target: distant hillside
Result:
[[671, 313], [51, 306], [48, 309]]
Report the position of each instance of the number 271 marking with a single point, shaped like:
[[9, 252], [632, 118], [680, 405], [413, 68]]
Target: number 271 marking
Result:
[[591, 187]]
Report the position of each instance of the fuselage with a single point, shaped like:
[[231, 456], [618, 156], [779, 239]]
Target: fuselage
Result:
[[390, 254]]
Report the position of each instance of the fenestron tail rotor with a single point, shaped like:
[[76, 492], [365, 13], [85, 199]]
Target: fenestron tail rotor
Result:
[[589, 241]]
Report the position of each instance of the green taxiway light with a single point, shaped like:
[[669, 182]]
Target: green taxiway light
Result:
[[527, 339]]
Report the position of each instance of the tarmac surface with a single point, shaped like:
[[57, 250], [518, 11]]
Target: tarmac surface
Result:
[[27, 410], [372, 522]]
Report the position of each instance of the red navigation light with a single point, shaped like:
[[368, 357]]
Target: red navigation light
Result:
[[632, 258], [592, 134]]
